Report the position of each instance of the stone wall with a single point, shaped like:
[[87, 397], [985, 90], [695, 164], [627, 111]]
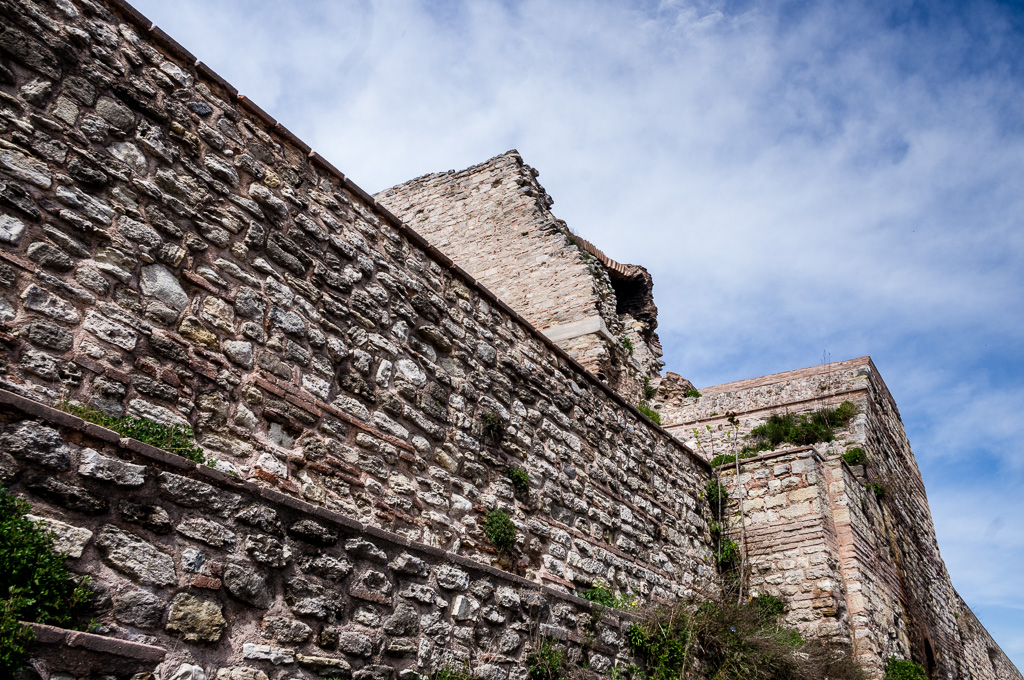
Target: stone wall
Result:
[[494, 219], [852, 564], [247, 582], [169, 251]]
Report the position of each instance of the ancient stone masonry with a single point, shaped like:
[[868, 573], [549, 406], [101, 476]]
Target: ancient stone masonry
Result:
[[196, 569], [851, 549], [494, 219], [170, 252]]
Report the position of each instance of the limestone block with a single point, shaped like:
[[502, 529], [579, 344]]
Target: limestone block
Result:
[[37, 443], [92, 464], [67, 539], [134, 556]]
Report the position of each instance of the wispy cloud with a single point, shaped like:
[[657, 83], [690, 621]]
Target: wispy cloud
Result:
[[798, 176]]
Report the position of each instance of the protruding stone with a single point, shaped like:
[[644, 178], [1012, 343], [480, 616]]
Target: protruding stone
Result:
[[37, 443], [11, 230], [157, 281], [452, 578], [137, 558], [67, 539], [248, 585], [196, 619], [92, 464], [139, 608]]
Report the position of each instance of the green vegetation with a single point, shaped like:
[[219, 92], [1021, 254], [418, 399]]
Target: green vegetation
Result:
[[876, 489], [692, 393], [176, 439], [601, 595], [855, 456], [645, 408], [500, 530], [449, 672], [546, 663], [717, 497], [628, 344], [722, 460], [648, 389], [35, 584], [494, 428], [901, 669], [800, 430], [731, 642], [520, 478]]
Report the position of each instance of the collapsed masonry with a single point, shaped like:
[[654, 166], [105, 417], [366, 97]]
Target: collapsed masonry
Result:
[[494, 219], [168, 250]]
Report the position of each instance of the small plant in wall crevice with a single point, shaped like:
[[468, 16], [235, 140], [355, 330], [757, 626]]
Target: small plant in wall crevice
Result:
[[500, 530], [520, 479], [493, 426]]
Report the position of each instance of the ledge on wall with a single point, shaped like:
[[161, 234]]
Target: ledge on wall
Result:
[[58, 650]]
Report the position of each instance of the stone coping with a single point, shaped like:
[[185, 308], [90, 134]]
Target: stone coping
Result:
[[223, 480], [79, 653], [134, 16]]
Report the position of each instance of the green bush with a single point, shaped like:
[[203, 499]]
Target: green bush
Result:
[[802, 430], [35, 584], [500, 530], [177, 439], [901, 669], [724, 459], [717, 497], [876, 489], [601, 595], [628, 345], [449, 672], [645, 408], [520, 478], [546, 663], [769, 608], [726, 641], [692, 393], [855, 456]]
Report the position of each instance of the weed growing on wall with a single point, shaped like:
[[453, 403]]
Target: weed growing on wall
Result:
[[449, 672], [692, 393], [500, 530], [176, 439], [731, 642], [546, 663], [801, 430], [901, 669], [628, 345], [602, 595], [645, 408], [649, 390], [494, 428], [855, 456], [726, 458], [35, 584], [520, 479]]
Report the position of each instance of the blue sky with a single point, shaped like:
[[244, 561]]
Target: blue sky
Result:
[[799, 177]]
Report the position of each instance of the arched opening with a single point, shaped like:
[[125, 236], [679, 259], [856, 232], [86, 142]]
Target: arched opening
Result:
[[929, 658]]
